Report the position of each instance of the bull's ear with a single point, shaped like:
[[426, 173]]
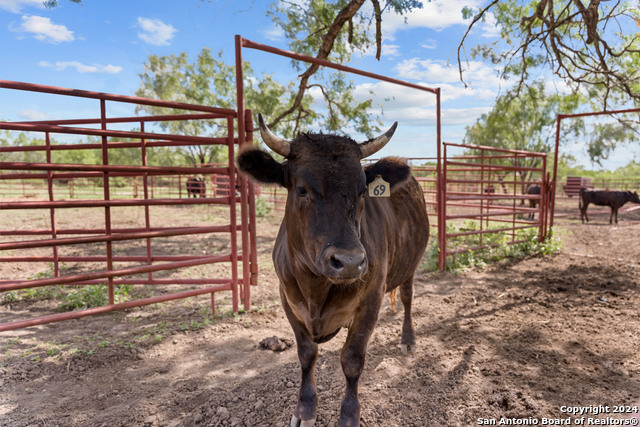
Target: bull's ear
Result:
[[260, 166], [394, 170]]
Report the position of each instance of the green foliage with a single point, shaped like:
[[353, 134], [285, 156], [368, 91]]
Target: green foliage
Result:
[[263, 207], [525, 121], [82, 297], [606, 137], [300, 20], [630, 170], [93, 296], [207, 81], [590, 46], [37, 293], [312, 25], [500, 249]]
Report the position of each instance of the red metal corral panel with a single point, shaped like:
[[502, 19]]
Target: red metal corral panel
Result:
[[121, 218], [488, 191]]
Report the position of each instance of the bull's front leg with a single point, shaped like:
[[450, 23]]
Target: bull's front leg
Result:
[[353, 357], [305, 413]]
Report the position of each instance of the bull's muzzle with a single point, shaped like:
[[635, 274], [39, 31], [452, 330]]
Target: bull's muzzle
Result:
[[344, 265]]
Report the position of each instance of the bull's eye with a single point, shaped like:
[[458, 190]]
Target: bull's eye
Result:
[[301, 192]]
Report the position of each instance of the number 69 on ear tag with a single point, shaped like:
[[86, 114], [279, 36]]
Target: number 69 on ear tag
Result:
[[379, 188]]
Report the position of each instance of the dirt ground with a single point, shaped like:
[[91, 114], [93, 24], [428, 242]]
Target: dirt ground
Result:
[[519, 339]]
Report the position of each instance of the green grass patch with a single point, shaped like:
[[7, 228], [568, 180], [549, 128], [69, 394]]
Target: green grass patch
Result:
[[499, 247], [93, 296]]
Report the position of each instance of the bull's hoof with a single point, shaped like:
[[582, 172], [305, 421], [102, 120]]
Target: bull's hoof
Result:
[[297, 422], [407, 348]]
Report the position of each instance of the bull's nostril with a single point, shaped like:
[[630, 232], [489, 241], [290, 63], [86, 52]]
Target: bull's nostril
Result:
[[336, 264]]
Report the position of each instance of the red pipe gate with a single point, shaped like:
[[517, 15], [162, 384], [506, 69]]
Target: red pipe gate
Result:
[[559, 119], [70, 223], [489, 187]]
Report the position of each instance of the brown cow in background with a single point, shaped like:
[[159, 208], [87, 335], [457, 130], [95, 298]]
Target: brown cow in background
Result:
[[339, 249], [613, 199]]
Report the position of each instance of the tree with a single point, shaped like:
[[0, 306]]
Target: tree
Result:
[[605, 138], [524, 120], [206, 81], [593, 46], [326, 30], [332, 31]]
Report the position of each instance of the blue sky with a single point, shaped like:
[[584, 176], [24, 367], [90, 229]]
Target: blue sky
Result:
[[101, 46]]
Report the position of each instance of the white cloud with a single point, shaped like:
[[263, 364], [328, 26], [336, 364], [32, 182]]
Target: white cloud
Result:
[[413, 107], [388, 50], [33, 115], [155, 32], [16, 6], [273, 33], [429, 44], [489, 27], [436, 14], [476, 74], [43, 29], [439, 15], [81, 68]]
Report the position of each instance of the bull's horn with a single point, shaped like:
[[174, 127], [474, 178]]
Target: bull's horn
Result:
[[373, 146], [277, 144]]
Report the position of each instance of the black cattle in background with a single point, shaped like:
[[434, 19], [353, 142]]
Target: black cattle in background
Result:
[[196, 187], [533, 203], [613, 199]]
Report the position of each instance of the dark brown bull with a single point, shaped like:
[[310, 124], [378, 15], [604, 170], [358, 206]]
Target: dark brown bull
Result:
[[196, 186], [613, 199], [339, 250]]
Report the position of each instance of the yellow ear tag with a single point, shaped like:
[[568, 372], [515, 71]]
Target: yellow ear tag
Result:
[[379, 188]]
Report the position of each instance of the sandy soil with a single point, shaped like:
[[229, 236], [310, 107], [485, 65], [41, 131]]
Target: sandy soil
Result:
[[519, 339]]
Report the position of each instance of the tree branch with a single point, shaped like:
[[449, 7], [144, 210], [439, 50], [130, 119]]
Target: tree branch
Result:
[[344, 16]]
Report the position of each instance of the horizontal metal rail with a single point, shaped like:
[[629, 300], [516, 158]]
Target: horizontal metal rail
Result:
[[182, 139], [113, 203], [133, 119], [110, 238], [44, 232], [112, 307], [497, 149], [490, 167], [480, 247], [489, 231], [115, 258], [7, 84], [151, 170], [297, 56], [70, 279], [109, 144]]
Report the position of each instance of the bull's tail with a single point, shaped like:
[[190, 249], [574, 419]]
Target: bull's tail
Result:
[[580, 198], [393, 298]]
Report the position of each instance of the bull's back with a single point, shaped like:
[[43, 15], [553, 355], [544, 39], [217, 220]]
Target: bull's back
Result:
[[406, 230], [615, 199]]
